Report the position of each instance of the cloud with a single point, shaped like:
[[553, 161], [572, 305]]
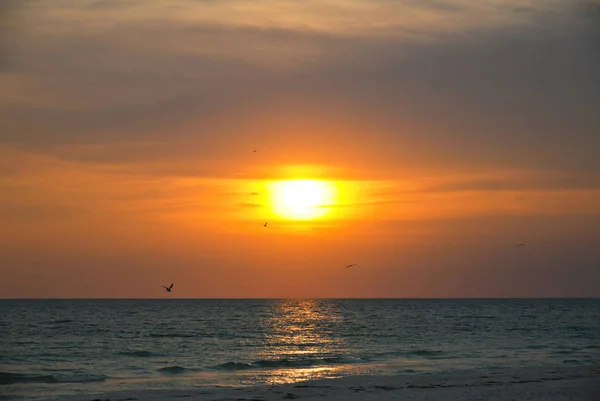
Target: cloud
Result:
[[376, 93], [108, 4], [37, 214], [521, 181], [493, 98], [249, 205]]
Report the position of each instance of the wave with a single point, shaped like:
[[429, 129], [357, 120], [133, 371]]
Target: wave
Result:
[[563, 352], [63, 321], [475, 317], [13, 378], [140, 354], [233, 366], [284, 344], [288, 363], [424, 353], [173, 370], [536, 346], [171, 335], [524, 329]]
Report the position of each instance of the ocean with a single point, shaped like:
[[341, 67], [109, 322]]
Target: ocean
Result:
[[59, 348]]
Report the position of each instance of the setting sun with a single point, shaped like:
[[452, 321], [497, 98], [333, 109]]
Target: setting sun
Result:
[[301, 199]]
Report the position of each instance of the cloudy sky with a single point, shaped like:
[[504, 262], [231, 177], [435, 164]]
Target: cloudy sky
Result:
[[449, 130]]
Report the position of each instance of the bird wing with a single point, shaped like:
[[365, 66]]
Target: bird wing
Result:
[[164, 287], [171, 286]]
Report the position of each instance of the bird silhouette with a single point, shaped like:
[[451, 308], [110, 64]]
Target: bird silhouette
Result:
[[523, 245], [168, 288], [254, 150], [352, 265], [265, 224]]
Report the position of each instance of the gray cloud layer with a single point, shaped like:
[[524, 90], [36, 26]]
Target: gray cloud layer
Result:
[[527, 94]]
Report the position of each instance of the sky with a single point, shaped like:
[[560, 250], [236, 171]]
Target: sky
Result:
[[148, 142]]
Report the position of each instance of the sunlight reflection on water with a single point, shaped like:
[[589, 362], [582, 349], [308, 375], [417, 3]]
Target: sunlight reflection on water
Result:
[[300, 332]]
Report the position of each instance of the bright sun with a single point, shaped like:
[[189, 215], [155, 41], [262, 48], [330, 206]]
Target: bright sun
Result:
[[301, 199]]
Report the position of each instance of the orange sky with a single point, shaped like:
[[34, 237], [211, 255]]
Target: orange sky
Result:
[[449, 132]]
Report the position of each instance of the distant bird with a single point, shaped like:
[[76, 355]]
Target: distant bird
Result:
[[523, 245], [168, 288], [352, 265], [265, 224], [255, 150]]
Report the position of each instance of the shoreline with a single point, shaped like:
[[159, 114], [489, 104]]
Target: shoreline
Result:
[[539, 384]]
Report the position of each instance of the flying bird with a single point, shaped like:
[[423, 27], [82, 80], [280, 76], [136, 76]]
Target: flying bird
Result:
[[352, 265], [265, 224], [255, 150], [168, 288], [523, 245]]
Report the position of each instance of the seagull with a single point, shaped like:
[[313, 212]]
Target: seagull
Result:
[[168, 288], [265, 224], [352, 265], [523, 245]]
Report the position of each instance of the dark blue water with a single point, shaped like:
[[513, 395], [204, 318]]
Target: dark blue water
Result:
[[58, 348]]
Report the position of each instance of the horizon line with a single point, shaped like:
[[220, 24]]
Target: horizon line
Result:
[[291, 298]]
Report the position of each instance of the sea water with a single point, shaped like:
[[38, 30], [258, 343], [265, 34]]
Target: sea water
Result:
[[60, 348]]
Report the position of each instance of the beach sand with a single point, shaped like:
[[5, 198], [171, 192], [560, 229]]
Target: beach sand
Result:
[[573, 384]]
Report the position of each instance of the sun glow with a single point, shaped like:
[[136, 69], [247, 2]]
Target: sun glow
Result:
[[302, 199]]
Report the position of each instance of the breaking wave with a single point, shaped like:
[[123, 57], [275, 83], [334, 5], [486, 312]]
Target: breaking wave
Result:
[[13, 378], [288, 363], [173, 370]]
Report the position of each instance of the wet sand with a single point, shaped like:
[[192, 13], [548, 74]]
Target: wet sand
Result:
[[563, 384]]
